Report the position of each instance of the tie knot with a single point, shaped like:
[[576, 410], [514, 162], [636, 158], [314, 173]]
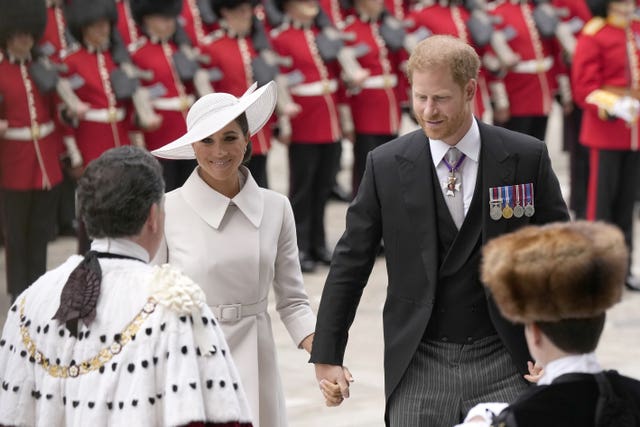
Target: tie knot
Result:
[[453, 155]]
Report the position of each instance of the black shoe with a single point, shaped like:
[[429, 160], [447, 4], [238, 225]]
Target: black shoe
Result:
[[322, 255], [307, 264], [632, 283], [340, 194]]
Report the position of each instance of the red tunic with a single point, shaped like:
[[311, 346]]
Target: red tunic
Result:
[[192, 23], [94, 137], [383, 65], [452, 20], [603, 57], [157, 57], [318, 121], [233, 55], [530, 91], [126, 24], [53, 37], [33, 162]]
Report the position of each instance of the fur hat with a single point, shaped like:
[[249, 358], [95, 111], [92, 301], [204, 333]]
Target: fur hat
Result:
[[217, 5], [81, 13], [142, 8], [599, 7], [23, 16], [558, 271]]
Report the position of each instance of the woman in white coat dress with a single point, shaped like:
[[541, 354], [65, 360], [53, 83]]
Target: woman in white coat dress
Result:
[[238, 240]]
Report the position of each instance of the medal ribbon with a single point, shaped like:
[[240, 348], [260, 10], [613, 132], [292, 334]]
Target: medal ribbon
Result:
[[454, 169]]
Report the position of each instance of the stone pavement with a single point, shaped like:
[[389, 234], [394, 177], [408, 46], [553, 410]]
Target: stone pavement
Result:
[[619, 347]]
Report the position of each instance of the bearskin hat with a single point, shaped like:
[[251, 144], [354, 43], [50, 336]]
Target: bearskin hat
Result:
[[142, 8], [81, 13], [217, 5], [570, 270], [599, 7], [24, 16]]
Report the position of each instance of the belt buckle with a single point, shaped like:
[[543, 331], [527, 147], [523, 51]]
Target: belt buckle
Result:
[[325, 87], [230, 312], [386, 79], [35, 131], [112, 115], [540, 66]]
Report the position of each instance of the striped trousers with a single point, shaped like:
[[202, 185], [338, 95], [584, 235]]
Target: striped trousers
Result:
[[445, 380]]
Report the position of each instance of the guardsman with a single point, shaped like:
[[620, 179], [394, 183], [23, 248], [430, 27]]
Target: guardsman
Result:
[[177, 78], [56, 38], [240, 49], [606, 84], [315, 133], [30, 145], [372, 126], [530, 84]]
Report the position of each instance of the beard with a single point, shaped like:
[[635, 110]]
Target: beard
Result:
[[448, 127]]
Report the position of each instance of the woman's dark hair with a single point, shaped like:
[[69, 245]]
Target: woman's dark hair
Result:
[[241, 120], [117, 190]]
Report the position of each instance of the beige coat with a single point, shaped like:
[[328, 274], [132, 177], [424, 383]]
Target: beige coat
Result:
[[237, 249]]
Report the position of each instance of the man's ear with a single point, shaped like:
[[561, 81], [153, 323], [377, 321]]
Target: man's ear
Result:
[[153, 219], [470, 89], [536, 333]]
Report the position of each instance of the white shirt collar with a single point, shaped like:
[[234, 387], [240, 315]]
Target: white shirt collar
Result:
[[469, 145], [120, 246], [582, 363], [212, 206]]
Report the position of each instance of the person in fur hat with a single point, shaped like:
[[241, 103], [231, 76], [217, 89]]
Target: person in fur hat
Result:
[[30, 144], [559, 280]]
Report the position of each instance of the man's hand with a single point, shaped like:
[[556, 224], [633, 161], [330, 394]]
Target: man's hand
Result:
[[334, 383]]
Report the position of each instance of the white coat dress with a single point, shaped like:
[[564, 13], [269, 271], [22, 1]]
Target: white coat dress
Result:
[[236, 250]]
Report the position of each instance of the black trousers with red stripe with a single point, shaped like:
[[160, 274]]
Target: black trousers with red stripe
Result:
[[614, 177]]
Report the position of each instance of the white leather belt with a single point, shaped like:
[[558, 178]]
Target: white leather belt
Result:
[[383, 81], [322, 87], [533, 66], [176, 103], [29, 133], [104, 115], [235, 312]]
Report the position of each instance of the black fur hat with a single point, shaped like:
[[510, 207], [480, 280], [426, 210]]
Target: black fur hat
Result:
[[217, 5], [598, 7], [81, 13], [23, 16], [142, 8]]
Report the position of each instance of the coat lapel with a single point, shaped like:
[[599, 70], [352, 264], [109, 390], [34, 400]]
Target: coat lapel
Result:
[[416, 181]]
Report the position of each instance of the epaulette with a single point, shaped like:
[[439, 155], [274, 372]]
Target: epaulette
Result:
[[136, 45], [494, 4], [349, 20], [594, 25], [72, 48], [213, 36], [275, 32]]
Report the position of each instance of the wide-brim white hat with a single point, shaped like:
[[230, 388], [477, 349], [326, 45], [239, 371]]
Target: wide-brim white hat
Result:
[[214, 111]]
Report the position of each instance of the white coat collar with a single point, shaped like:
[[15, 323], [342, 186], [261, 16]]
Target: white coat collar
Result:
[[211, 206]]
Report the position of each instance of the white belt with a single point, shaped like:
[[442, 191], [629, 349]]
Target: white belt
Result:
[[235, 312], [29, 133], [533, 66], [383, 81], [176, 103], [104, 115], [322, 87]]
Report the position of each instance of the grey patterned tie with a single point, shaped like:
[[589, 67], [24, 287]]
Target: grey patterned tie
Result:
[[453, 193]]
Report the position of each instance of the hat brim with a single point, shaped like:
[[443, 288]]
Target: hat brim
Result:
[[257, 105]]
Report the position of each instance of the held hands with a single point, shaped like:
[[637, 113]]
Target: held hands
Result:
[[535, 372], [334, 383]]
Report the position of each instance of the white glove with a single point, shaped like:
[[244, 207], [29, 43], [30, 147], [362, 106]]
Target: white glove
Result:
[[626, 108]]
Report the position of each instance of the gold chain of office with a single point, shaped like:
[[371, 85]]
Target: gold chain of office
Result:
[[94, 363]]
